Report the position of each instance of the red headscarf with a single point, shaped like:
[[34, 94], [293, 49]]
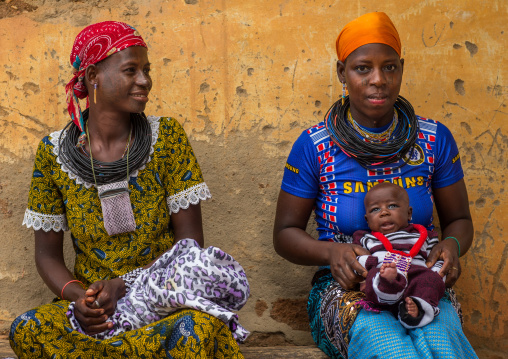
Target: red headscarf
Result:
[[93, 44], [372, 28]]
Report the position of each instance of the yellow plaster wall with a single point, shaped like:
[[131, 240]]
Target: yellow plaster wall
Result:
[[245, 78]]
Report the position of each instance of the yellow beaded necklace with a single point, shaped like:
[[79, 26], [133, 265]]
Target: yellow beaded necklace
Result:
[[369, 136]]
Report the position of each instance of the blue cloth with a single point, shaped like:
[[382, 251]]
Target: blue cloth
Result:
[[381, 336], [317, 327], [316, 168]]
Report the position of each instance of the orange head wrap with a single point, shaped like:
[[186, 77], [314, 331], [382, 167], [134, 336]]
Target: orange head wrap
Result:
[[372, 28]]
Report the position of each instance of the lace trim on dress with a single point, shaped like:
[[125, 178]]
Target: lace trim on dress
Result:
[[53, 137], [182, 200], [46, 222]]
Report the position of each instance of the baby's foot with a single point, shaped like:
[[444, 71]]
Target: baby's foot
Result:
[[411, 307], [388, 271]]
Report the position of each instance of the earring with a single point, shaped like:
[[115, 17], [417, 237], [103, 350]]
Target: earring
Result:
[[343, 92], [94, 97]]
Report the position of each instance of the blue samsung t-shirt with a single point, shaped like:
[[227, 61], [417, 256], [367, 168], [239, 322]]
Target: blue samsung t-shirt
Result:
[[317, 168]]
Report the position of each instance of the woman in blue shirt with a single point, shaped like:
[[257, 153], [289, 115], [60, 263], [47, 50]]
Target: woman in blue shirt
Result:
[[369, 137]]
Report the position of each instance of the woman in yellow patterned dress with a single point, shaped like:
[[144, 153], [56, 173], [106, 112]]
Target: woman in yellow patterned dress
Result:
[[127, 187]]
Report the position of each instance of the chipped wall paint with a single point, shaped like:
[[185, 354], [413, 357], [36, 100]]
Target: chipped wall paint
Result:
[[245, 78]]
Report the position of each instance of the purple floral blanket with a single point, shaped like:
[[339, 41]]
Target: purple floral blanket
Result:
[[186, 276]]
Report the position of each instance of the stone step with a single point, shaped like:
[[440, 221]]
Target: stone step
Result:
[[5, 348], [293, 352]]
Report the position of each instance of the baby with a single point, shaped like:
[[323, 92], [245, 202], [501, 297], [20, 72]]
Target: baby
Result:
[[398, 278]]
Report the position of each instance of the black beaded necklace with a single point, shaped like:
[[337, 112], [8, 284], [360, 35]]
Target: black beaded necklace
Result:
[[109, 172], [373, 153]]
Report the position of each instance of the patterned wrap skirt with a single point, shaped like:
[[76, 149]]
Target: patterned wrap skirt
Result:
[[343, 331], [45, 332]]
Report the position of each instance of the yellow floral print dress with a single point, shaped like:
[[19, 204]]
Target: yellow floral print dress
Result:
[[59, 200]]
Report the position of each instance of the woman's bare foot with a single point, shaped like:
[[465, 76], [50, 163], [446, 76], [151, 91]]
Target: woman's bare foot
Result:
[[388, 271], [412, 308]]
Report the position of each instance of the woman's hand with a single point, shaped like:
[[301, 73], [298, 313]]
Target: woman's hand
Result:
[[104, 294], [92, 320], [343, 264], [447, 251], [98, 303], [292, 242], [452, 206]]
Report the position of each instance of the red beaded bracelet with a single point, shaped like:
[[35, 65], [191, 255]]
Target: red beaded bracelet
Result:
[[69, 282]]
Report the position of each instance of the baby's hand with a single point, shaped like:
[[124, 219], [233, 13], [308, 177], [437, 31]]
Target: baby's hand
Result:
[[362, 286]]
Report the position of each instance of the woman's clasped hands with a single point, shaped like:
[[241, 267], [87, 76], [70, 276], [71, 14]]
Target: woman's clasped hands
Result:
[[97, 304]]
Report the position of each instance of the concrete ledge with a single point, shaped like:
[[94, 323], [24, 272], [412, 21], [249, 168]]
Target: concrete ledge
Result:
[[5, 348], [293, 352]]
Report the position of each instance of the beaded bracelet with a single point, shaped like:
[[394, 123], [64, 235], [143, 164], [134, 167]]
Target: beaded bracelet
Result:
[[69, 282], [456, 240]]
